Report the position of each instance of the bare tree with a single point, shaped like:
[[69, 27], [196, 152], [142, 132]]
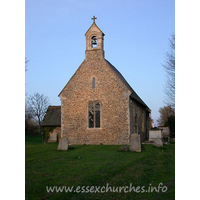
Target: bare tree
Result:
[[165, 112], [38, 104], [169, 67]]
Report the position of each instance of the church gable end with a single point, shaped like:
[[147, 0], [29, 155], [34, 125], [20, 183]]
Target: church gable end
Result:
[[95, 103]]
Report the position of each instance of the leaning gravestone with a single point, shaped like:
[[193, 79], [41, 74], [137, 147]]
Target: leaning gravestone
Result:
[[134, 143], [158, 142], [63, 143]]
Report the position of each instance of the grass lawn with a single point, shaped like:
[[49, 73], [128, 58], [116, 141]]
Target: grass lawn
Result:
[[98, 165]]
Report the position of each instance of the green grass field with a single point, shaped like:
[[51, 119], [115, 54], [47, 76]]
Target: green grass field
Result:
[[98, 165]]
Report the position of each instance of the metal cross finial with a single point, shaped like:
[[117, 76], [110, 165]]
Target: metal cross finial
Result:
[[94, 19]]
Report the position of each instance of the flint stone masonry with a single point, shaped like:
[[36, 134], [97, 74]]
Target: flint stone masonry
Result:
[[134, 143], [63, 144], [113, 97]]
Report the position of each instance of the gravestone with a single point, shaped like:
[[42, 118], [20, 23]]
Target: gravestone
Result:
[[165, 131], [134, 143], [63, 143], [158, 142], [155, 134]]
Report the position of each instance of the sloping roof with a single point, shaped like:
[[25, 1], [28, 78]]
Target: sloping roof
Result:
[[53, 116], [133, 94], [94, 24]]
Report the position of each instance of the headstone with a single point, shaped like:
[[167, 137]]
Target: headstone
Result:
[[134, 143], [165, 131], [158, 142], [63, 143], [155, 134]]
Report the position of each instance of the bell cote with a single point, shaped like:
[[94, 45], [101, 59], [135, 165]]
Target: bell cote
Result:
[[94, 41]]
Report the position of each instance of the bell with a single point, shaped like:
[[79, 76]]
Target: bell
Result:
[[94, 42]]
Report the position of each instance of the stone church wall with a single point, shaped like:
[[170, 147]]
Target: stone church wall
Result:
[[109, 91], [138, 111]]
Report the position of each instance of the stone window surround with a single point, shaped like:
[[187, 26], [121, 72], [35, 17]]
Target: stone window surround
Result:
[[90, 40], [95, 101], [94, 37]]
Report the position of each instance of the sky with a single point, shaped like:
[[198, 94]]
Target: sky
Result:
[[136, 39]]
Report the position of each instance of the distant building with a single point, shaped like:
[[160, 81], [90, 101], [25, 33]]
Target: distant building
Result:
[[52, 121]]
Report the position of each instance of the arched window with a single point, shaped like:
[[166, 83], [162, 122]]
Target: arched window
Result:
[[94, 114], [143, 121], [94, 41]]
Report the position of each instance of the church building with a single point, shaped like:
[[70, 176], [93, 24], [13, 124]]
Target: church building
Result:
[[98, 106]]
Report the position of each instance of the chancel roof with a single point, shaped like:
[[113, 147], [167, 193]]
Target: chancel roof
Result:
[[133, 94]]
